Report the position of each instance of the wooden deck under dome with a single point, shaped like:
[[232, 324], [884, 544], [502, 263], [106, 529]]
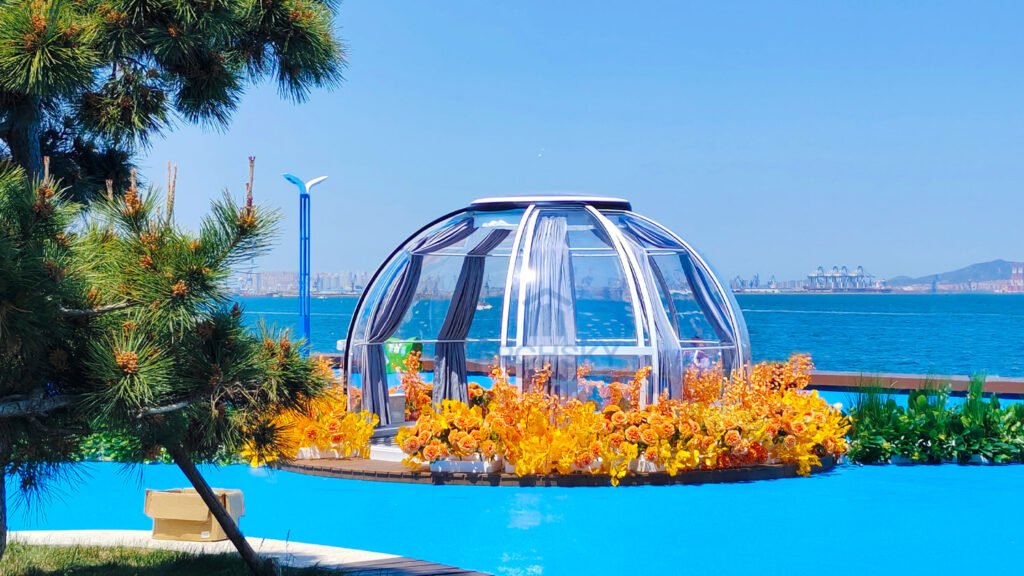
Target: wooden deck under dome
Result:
[[384, 471]]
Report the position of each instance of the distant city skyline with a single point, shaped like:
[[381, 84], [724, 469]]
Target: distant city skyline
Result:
[[773, 137], [993, 276]]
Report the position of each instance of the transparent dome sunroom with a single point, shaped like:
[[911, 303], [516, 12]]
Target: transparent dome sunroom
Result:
[[582, 288]]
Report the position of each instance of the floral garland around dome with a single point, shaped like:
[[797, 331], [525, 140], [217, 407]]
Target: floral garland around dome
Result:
[[763, 416]]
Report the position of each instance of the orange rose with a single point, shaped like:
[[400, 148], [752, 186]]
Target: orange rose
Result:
[[799, 427], [411, 445], [648, 436], [790, 441], [619, 419], [651, 454], [741, 449], [633, 434], [595, 448], [636, 418], [615, 440], [488, 448], [732, 438], [666, 430], [467, 444], [431, 453], [830, 445], [694, 427]]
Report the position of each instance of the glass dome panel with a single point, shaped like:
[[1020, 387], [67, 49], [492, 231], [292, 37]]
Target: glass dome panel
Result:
[[582, 287]]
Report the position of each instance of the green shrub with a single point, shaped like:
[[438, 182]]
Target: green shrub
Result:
[[929, 430]]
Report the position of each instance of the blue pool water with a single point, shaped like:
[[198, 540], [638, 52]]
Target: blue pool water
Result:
[[855, 520], [919, 334]]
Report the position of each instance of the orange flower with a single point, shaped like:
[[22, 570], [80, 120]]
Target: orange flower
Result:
[[615, 440], [467, 444], [693, 426], [666, 430], [633, 434], [651, 454], [732, 438], [411, 445], [799, 427], [790, 441], [741, 449], [431, 453], [648, 435], [488, 448], [830, 445], [619, 419]]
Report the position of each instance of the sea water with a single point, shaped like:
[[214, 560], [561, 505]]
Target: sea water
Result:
[[919, 334], [882, 520]]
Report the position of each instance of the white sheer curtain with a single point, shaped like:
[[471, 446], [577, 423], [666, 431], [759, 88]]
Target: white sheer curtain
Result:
[[550, 313]]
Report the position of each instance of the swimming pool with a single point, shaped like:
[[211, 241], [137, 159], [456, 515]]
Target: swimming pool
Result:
[[885, 520]]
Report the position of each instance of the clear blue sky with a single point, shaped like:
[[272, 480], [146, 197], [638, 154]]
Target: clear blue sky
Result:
[[773, 136]]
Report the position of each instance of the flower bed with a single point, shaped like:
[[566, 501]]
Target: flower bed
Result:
[[930, 430], [762, 417], [326, 428]]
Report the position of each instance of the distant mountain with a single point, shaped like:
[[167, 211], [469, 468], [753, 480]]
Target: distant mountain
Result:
[[982, 272]]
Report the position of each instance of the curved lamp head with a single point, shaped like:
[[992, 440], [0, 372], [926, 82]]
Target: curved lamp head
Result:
[[304, 187]]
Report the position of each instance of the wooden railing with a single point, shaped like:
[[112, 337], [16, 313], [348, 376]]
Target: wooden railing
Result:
[[842, 381], [853, 381]]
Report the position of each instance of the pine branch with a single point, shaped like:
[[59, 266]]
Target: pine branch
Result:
[[93, 312], [33, 406], [169, 407]]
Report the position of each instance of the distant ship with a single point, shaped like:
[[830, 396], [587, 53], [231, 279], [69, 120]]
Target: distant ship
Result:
[[484, 306]]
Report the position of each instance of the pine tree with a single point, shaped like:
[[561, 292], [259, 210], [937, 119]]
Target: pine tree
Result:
[[114, 318], [89, 82]]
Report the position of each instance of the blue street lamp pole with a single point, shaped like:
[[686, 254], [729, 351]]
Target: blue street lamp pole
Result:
[[304, 303]]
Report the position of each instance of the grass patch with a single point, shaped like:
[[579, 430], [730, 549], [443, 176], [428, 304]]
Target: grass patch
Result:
[[25, 560]]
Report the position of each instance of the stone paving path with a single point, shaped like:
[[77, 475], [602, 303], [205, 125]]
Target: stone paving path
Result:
[[295, 554]]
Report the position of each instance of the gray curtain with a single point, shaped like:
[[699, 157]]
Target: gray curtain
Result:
[[669, 354], [450, 381], [670, 303], [389, 311], [702, 291], [710, 309], [551, 303]]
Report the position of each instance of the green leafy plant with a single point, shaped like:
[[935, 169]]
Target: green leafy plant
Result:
[[932, 429], [874, 415], [924, 428]]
